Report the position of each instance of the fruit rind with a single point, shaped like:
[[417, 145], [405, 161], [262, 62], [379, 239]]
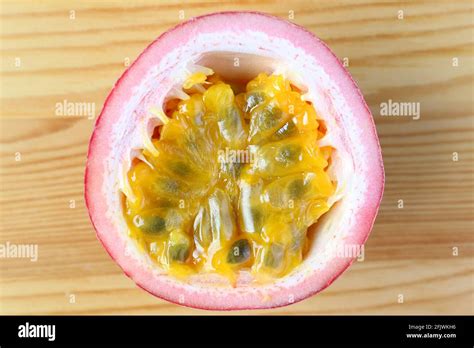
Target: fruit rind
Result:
[[122, 108]]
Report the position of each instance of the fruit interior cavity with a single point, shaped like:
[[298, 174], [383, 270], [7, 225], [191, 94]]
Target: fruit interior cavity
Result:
[[232, 179]]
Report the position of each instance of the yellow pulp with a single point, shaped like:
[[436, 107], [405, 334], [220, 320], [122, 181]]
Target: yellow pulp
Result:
[[234, 181]]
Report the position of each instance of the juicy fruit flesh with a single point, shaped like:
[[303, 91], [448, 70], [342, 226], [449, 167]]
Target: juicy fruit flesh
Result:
[[233, 180]]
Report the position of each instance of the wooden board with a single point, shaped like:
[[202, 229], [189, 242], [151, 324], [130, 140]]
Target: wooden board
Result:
[[423, 251]]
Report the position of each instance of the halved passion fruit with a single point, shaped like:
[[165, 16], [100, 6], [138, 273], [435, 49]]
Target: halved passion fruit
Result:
[[235, 165]]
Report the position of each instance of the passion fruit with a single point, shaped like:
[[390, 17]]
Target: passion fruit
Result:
[[231, 164]]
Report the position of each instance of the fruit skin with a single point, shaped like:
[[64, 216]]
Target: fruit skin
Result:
[[99, 181]]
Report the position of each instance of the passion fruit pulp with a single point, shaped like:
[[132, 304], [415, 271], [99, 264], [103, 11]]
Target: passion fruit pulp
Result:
[[233, 181]]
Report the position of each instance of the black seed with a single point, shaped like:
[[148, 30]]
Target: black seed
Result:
[[268, 118], [274, 256], [154, 225], [253, 99], [296, 189], [179, 252], [180, 168], [286, 131], [169, 185], [288, 153], [239, 251]]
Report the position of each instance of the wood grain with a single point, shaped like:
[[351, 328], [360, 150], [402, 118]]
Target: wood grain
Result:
[[410, 251]]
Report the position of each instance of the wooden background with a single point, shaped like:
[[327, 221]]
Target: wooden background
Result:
[[410, 251]]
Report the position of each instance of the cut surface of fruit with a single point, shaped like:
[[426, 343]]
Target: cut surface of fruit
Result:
[[235, 165], [248, 179]]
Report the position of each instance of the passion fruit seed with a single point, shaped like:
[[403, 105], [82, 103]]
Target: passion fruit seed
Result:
[[296, 189], [239, 251], [179, 252], [169, 185], [266, 118], [252, 100], [179, 246], [154, 225], [209, 212], [180, 168], [288, 129], [289, 154]]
